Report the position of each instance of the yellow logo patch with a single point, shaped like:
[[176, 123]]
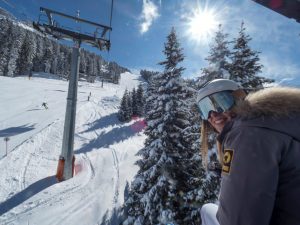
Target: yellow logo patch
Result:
[[227, 159]]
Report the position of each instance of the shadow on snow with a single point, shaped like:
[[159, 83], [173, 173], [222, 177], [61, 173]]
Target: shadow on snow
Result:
[[105, 121], [27, 193], [104, 140], [12, 131]]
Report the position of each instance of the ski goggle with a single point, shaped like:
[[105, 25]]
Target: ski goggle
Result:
[[218, 102]]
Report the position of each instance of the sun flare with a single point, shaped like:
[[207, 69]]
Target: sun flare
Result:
[[202, 24]]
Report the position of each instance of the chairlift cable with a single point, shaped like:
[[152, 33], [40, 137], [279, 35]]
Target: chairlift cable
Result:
[[111, 12], [19, 10]]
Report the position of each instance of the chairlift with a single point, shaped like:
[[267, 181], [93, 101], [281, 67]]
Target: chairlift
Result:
[[47, 25]]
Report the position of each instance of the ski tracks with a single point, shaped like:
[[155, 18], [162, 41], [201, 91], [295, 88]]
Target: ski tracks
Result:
[[58, 195], [86, 196], [117, 177], [39, 154]]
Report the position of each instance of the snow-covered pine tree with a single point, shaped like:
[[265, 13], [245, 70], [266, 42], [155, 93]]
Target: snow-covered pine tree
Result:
[[4, 25], [245, 65], [5, 37], [60, 63], [130, 105], [99, 66], [218, 57], [47, 57], [54, 61], [147, 74], [95, 67], [140, 100], [159, 192], [124, 111], [82, 63], [67, 60], [89, 65], [15, 39], [26, 55], [39, 53], [150, 93], [134, 102]]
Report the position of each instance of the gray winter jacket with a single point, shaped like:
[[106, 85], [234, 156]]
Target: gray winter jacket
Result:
[[261, 163]]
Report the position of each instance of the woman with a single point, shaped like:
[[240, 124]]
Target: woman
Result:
[[259, 144]]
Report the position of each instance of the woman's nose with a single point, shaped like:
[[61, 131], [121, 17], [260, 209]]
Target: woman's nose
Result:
[[212, 114]]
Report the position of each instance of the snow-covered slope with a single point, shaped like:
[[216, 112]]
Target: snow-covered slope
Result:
[[104, 149]]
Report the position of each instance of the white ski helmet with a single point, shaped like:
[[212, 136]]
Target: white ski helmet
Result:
[[217, 85], [216, 96]]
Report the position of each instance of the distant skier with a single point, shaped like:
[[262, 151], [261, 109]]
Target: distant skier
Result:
[[45, 105], [89, 96]]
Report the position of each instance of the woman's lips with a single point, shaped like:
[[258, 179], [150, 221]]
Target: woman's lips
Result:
[[219, 121]]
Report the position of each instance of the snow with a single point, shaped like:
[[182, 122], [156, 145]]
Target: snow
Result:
[[26, 27], [208, 214], [104, 149]]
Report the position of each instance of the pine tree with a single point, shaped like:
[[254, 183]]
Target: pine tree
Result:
[[39, 53], [147, 74], [218, 64], [159, 192], [140, 100], [47, 57], [60, 63], [27, 53], [82, 64], [89, 65], [124, 113], [67, 61], [130, 106], [134, 102], [5, 43], [55, 57], [245, 65], [16, 39]]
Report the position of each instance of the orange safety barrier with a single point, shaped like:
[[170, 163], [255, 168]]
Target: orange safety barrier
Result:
[[60, 168]]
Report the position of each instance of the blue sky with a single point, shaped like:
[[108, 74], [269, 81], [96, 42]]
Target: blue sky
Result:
[[140, 28]]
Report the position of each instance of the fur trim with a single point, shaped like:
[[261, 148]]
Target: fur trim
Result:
[[275, 102]]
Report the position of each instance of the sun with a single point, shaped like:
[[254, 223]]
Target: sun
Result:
[[202, 24]]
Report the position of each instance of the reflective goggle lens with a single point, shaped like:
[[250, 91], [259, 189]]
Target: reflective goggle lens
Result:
[[217, 102]]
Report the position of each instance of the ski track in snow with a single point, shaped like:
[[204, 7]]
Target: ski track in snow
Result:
[[116, 178], [95, 189]]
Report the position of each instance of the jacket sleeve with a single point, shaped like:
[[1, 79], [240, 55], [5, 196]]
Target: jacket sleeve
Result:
[[249, 183]]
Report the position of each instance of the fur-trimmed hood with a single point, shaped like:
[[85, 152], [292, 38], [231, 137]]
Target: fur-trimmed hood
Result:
[[276, 108], [275, 102]]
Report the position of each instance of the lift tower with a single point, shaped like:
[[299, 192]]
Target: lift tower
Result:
[[99, 40]]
